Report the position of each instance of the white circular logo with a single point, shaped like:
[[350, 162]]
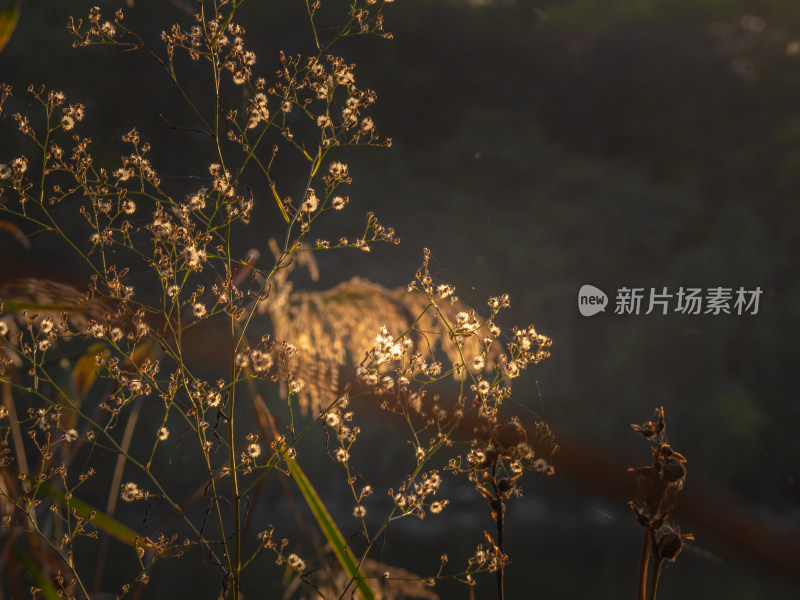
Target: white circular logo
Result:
[[591, 300]]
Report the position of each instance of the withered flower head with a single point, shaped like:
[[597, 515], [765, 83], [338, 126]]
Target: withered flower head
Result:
[[654, 428], [670, 543]]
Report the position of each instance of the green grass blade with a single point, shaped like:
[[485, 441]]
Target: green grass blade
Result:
[[101, 520], [331, 531], [280, 206]]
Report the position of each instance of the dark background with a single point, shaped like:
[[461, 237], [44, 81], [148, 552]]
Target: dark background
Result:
[[540, 146]]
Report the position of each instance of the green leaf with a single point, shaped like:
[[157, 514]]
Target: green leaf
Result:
[[331, 531], [8, 22]]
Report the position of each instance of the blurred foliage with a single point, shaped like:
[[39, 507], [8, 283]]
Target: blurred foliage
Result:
[[8, 22], [543, 145]]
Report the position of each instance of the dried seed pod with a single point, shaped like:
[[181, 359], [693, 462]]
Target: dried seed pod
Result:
[[669, 545], [505, 485], [673, 470]]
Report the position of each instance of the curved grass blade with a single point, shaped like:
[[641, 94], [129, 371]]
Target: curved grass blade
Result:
[[331, 531], [280, 205], [100, 520]]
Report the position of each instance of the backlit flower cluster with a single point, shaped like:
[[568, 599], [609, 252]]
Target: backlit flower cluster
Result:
[[416, 496]]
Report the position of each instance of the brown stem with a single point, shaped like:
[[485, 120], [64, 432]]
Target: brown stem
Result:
[[657, 564], [644, 561], [500, 571], [499, 520]]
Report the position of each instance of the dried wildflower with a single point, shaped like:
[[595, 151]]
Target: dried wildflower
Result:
[[296, 562], [194, 257], [266, 536], [222, 180], [199, 310], [23, 124], [131, 492], [466, 322], [214, 399], [332, 420], [658, 485], [241, 360], [19, 165], [70, 435], [253, 450], [123, 174], [55, 97], [261, 361], [257, 110], [46, 326], [163, 433], [67, 122], [197, 201], [444, 291], [311, 202], [386, 349], [359, 512], [338, 171], [108, 29], [342, 455], [161, 226], [367, 126]]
